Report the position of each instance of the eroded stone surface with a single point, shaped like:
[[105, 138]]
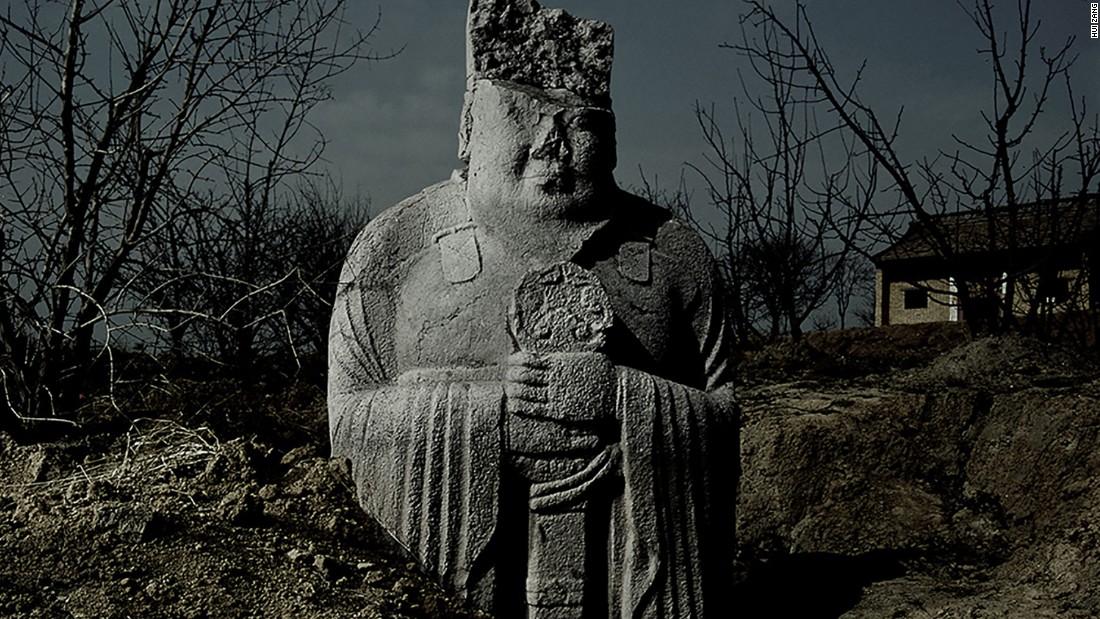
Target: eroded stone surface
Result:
[[521, 42], [562, 308], [529, 368]]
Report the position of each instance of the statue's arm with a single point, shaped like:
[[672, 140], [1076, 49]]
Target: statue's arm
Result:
[[360, 370], [365, 401], [424, 446], [705, 308], [362, 357]]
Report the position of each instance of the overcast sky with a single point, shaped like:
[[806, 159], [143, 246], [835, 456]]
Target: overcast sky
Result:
[[392, 124]]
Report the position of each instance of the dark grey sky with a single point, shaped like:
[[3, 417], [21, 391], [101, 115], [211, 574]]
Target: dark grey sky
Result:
[[392, 124]]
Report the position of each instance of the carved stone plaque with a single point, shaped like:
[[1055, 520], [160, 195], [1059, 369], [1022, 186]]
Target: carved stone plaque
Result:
[[562, 308]]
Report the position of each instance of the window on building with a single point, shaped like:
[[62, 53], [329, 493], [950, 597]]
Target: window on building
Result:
[[1054, 290], [915, 298]]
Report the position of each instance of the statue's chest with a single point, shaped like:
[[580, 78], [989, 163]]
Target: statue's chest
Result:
[[645, 303], [453, 312]]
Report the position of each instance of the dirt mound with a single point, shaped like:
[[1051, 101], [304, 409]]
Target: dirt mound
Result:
[[964, 484], [1005, 363], [966, 487], [169, 522]]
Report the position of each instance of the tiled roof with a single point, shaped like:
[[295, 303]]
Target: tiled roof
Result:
[[1039, 224]]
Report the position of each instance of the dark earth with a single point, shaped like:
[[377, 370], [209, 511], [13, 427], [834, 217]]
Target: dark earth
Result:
[[888, 473]]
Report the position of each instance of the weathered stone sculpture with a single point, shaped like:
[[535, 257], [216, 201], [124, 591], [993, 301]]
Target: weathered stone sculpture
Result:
[[529, 367]]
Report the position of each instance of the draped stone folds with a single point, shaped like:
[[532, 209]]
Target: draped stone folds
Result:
[[426, 443]]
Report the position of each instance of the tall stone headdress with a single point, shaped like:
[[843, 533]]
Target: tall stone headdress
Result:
[[520, 42]]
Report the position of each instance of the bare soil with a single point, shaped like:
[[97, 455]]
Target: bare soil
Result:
[[228, 506], [903, 473], [962, 484]]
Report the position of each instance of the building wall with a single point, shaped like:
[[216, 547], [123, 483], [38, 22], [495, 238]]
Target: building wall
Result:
[[881, 318], [941, 303], [1076, 282], [938, 306]]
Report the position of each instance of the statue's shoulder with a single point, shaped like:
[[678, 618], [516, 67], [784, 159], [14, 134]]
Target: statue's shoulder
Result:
[[400, 234], [666, 234]]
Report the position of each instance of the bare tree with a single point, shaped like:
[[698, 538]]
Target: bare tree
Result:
[[854, 290], [726, 238], [254, 283], [784, 205], [997, 179], [321, 225], [117, 119]]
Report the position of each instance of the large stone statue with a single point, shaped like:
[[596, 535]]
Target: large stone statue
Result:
[[530, 367]]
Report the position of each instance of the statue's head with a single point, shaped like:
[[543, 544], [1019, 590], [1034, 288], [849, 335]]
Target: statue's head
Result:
[[546, 151], [537, 128]]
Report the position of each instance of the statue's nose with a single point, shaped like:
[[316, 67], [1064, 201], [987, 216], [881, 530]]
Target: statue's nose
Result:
[[551, 143]]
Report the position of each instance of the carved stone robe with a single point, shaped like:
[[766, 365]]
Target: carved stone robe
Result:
[[416, 403]]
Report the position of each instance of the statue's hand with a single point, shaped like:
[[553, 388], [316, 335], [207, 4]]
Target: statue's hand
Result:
[[558, 403]]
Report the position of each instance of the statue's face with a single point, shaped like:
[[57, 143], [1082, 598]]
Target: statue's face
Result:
[[542, 155]]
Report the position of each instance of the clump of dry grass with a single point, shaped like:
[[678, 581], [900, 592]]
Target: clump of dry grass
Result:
[[149, 449], [156, 445]]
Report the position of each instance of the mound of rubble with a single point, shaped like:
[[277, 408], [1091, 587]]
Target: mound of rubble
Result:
[[170, 522]]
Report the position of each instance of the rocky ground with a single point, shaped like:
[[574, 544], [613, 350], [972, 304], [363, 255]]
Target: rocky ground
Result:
[[904, 473], [227, 506], [967, 485]]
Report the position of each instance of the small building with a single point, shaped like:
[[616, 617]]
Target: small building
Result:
[[1043, 250]]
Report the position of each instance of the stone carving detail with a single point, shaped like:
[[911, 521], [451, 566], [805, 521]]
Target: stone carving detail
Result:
[[562, 308], [529, 368], [518, 41]]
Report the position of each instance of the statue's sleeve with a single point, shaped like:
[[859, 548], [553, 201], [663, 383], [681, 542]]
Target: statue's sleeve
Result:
[[424, 450], [680, 448]]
